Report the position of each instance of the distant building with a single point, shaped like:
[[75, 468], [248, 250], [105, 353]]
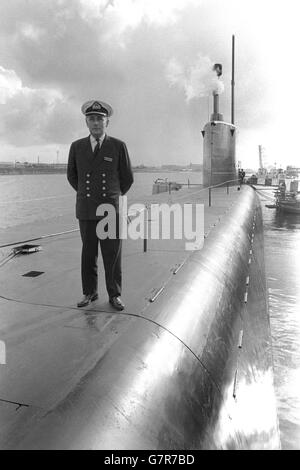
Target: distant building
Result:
[[7, 164], [29, 168], [292, 171]]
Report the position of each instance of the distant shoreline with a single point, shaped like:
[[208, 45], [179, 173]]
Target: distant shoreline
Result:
[[46, 171], [31, 171]]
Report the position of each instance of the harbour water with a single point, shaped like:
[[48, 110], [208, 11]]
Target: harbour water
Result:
[[34, 198], [282, 248]]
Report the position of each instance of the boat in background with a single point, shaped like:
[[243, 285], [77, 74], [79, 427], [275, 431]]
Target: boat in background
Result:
[[288, 200], [270, 175], [162, 185]]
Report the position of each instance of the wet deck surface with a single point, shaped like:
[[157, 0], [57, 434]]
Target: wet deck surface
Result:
[[50, 343]]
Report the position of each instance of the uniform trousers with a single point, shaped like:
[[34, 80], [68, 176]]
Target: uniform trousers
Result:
[[111, 254]]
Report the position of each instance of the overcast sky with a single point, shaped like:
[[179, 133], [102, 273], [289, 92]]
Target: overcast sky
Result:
[[151, 61]]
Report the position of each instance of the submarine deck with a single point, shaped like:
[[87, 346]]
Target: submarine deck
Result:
[[50, 343]]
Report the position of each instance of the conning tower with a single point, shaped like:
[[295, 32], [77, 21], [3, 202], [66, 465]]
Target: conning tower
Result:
[[218, 149], [219, 161]]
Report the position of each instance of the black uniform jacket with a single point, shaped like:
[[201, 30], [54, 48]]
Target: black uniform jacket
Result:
[[98, 179]]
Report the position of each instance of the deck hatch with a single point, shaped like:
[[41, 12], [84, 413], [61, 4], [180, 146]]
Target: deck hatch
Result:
[[33, 273]]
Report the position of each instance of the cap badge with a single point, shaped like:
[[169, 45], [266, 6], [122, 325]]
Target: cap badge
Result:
[[96, 106]]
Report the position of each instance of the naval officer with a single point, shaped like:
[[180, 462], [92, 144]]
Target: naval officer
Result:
[[99, 170]]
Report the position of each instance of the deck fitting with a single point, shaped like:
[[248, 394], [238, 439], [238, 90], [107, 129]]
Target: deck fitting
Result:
[[159, 291], [33, 273]]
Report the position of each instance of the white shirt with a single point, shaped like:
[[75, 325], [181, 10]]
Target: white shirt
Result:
[[94, 141]]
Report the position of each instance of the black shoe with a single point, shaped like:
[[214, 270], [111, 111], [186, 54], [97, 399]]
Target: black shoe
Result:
[[87, 299], [117, 303]]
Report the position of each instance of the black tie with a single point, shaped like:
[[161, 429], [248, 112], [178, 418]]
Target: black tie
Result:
[[96, 149]]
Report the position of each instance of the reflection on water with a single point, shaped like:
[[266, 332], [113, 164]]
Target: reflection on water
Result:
[[282, 250]]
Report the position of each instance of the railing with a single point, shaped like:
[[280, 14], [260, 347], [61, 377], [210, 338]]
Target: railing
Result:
[[227, 184], [210, 188]]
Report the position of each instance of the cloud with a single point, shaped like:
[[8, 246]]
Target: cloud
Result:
[[33, 116], [10, 84], [151, 60], [62, 53], [124, 14], [197, 80]]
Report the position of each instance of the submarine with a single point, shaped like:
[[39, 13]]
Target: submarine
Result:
[[187, 365]]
